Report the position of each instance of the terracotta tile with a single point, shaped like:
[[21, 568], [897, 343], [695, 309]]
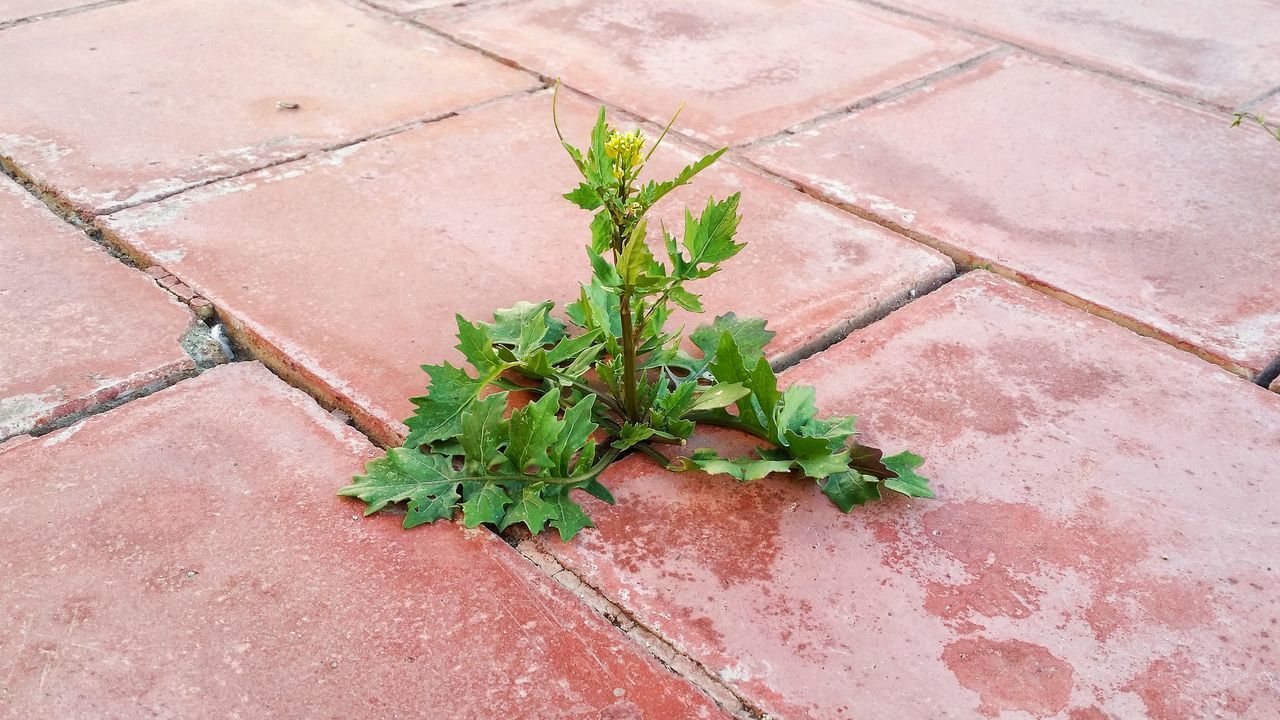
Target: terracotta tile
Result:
[[1185, 46], [1100, 546], [23, 9], [141, 114], [186, 554], [746, 68], [350, 266], [1148, 209], [77, 327]]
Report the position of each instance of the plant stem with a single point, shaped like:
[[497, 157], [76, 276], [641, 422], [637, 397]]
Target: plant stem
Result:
[[653, 454], [628, 357], [704, 418]]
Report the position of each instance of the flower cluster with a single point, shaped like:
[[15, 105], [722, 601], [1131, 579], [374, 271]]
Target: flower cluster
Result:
[[624, 149]]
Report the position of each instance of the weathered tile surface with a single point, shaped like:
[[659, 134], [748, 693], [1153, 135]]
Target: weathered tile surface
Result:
[[351, 266], [185, 556], [746, 68], [77, 327], [1149, 209], [138, 113], [11, 10], [1183, 45], [1102, 546]]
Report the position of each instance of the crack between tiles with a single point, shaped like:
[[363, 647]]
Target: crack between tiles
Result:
[[321, 150], [661, 649], [1254, 103], [59, 13], [894, 93], [67, 209], [1077, 63], [966, 260]]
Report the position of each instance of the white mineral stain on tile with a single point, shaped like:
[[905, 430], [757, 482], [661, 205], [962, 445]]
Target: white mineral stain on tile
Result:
[[167, 257], [62, 436]]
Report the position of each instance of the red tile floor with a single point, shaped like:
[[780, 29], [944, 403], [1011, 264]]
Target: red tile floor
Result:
[[1020, 238]]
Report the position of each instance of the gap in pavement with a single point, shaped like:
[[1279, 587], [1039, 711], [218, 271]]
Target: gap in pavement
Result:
[[1071, 62], [670, 657], [60, 13], [64, 209], [198, 341], [892, 93]]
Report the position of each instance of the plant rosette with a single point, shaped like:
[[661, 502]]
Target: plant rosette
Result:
[[608, 379]]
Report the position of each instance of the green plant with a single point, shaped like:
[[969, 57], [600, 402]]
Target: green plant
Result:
[[1272, 129], [613, 380]]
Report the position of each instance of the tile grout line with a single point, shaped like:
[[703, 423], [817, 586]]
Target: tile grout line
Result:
[[662, 650], [1254, 102], [968, 260], [894, 93], [66, 208], [39, 17], [1070, 61]]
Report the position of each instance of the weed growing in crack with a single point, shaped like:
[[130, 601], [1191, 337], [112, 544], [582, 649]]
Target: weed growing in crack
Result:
[[612, 380], [1271, 128]]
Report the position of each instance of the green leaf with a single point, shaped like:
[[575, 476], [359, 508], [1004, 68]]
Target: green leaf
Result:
[[439, 413], [533, 430], [797, 409], [744, 469], [718, 396], [530, 508], [755, 411], [847, 489], [595, 489], [749, 335], [569, 518], [867, 460], [598, 309], [603, 270], [601, 232], [708, 240], [637, 266], [483, 430], [684, 298], [632, 434], [906, 481], [487, 504], [821, 466], [430, 508], [599, 165], [574, 433], [584, 196], [526, 326], [402, 474], [476, 345], [655, 191]]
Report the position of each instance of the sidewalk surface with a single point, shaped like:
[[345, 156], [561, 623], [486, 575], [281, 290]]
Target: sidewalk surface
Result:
[[1019, 237]]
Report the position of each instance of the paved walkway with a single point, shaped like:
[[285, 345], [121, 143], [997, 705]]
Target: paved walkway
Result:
[[1019, 238]]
